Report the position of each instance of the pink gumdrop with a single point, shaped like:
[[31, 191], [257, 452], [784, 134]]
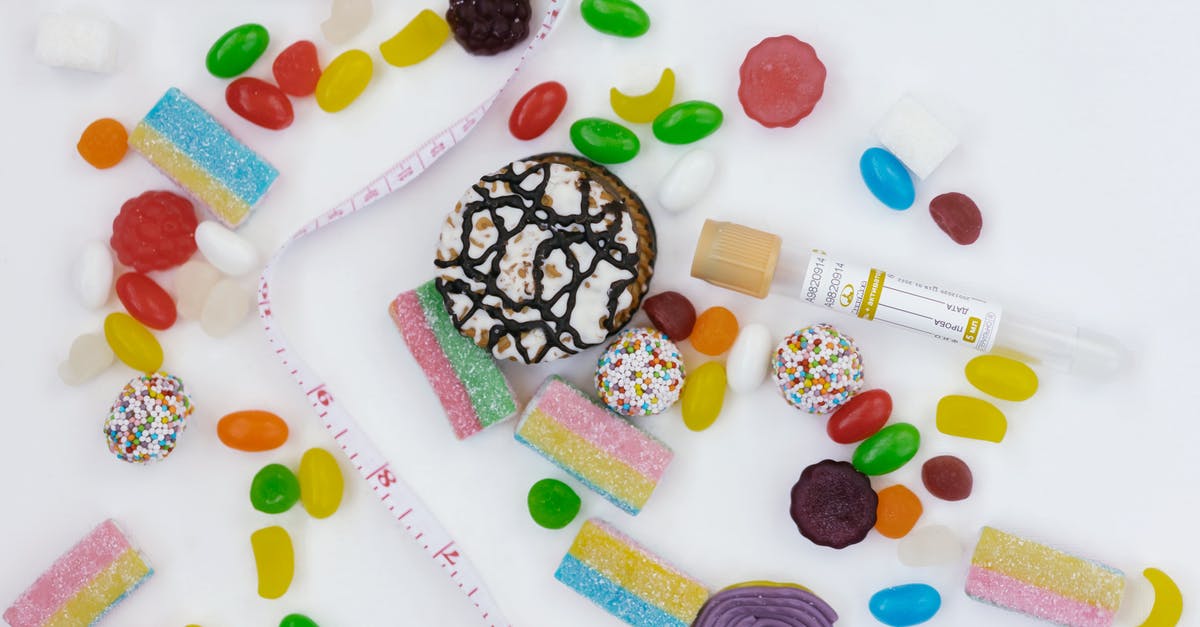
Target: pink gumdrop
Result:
[[782, 80]]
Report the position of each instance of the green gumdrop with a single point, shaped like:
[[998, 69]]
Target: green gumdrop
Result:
[[553, 504], [235, 51], [297, 620], [604, 141], [687, 122], [623, 18], [887, 450], [275, 489]]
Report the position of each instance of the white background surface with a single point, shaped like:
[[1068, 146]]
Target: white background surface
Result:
[[1078, 128]]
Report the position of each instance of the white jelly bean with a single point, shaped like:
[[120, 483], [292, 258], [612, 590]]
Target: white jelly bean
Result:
[[82, 42], [749, 359], [227, 251], [687, 181], [93, 274], [225, 309], [89, 356], [193, 281], [934, 545], [347, 18], [1136, 602]]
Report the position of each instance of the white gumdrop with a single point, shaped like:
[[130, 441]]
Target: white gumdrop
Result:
[[915, 136], [89, 356], [225, 309], [1136, 602], [227, 251], [933, 545], [688, 180], [347, 18], [82, 42], [193, 282], [749, 359], [93, 274]]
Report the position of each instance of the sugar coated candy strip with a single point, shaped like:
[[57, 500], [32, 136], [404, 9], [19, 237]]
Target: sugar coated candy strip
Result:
[[471, 387], [600, 448], [183, 141], [82, 585], [625, 579], [1031, 578]]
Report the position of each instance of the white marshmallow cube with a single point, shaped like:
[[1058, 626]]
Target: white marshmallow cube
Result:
[[918, 139], [77, 41]]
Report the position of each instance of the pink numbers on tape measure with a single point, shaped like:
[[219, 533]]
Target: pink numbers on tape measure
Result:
[[362, 452]]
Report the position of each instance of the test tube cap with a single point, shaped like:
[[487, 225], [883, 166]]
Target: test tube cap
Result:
[[736, 257]]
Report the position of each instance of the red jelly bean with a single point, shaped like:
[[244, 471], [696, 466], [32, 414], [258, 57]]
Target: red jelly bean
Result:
[[260, 102], [782, 80], [860, 418], [537, 110], [958, 216], [948, 478], [146, 300], [672, 313], [297, 69]]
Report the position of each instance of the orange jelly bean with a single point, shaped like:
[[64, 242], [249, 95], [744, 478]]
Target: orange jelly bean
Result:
[[715, 331], [898, 511], [103, 143], [252, 430]]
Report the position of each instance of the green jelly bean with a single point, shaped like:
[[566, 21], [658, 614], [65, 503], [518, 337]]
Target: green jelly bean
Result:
[[623, 18], [297, 620], [275, 489], [235, 51], [687, 122], [553, 504], [887, 450], [604, 141]]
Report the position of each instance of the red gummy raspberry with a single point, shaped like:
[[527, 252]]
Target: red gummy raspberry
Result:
[[154, 231]]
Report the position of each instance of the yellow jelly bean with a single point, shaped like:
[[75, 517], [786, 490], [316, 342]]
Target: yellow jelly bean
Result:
[[417, 41], [275, 560], [132, 343], [321, 483], [968, 417], [644, 108], [344, 80], [1168, 601], [703, 394], [1004, 378]]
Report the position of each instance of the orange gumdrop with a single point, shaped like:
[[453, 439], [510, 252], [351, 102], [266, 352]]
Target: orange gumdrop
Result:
[[252, 430], [103, 143], [715, 331], [897, 512]]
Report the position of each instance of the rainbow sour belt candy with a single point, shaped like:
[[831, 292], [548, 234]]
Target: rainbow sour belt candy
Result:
[[601, 449], [465, 378], [1021, 575], [193, 149], [83, 584], [614, 572]]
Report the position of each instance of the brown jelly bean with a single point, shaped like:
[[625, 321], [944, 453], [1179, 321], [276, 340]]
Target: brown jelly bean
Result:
[[947, 477], [958, 216], [672, 313], [833, 504]]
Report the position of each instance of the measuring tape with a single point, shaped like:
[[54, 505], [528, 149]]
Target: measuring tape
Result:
[[393, 492]]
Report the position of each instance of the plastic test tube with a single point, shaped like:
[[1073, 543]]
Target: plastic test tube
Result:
[[754, 262]]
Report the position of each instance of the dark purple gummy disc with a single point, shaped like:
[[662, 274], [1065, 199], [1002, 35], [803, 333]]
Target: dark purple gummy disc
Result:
[[833, 504]]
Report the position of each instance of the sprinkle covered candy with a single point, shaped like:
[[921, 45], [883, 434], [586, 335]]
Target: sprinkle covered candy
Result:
[[818, 368], [147, 418], [641, 373]]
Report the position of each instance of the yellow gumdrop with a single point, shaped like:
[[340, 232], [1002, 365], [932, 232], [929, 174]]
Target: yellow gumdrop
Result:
[[417, 41], [1004, 378], [275, 560], [321, 483], [1168, 600], [703, 395], [133, 343], [644, 108], [344, 80], [968, 417]]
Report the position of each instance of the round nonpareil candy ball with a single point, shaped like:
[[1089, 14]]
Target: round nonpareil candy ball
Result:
[[146, 419], [818, 368], [641, 373]]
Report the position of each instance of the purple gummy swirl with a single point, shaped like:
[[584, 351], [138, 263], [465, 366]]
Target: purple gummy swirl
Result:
[[776, 606]]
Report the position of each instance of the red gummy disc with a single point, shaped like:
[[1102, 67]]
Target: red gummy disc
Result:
[[782, 80]]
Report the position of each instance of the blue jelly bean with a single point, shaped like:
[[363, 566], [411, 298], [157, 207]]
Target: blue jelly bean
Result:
[[886, 177], [901, 606]]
